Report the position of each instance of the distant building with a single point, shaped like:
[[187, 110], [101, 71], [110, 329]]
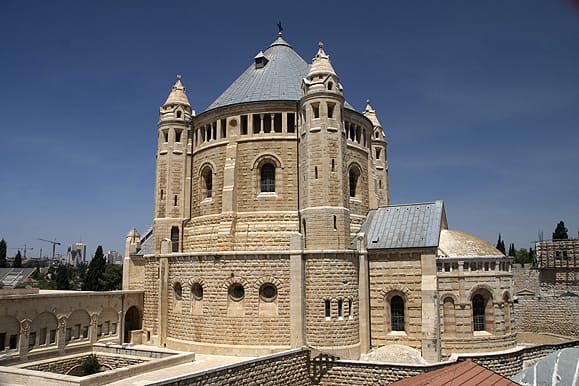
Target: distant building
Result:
[[558, 261], [113, 257], [76, 254]]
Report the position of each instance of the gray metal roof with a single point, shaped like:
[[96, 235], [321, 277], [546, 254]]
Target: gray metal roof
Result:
[[15, 277], [404, 226], [279, 80]]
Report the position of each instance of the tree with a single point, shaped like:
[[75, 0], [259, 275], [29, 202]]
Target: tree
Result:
[[501, 245], [91, 365], [512, 250], [94, 276], [560, 232], [523, 257], [3, 248], [17, 263], [112, 277], [63, 277]]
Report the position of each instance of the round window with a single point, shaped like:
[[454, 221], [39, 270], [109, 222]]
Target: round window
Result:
[[268, 292], [236, 292], [197, 291]]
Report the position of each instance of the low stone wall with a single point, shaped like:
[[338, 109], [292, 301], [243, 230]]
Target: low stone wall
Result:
[[287, 368], [506, 363], [64, 365]]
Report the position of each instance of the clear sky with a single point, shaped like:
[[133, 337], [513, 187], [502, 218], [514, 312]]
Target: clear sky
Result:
[[479, 100]]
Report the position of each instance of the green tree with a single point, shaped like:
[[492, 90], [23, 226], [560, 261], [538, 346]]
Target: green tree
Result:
[[94, 275], [512, 250], [113, 277], [522, 256], [560, 232], [17, 263], [63, 277], [3, 248], [501, 245]]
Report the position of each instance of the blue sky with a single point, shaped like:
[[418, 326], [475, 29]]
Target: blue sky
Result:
[[479, 99]]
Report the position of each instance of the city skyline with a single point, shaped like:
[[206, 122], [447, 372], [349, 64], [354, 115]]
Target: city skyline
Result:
[[478, 102]]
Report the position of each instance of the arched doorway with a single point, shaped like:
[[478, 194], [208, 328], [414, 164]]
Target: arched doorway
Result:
[[132, 322]]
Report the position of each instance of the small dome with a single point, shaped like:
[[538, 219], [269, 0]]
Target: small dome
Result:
[[461, 244]]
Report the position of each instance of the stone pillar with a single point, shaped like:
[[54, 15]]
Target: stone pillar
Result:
[[23, 338], [163, 285], [92, 331], [61, 334], [430, 312], [297, 293], [363, 294]]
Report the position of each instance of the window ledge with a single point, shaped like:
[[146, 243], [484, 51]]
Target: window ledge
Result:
[[267, 195], [207, 200], [397, 333], [481, 333]]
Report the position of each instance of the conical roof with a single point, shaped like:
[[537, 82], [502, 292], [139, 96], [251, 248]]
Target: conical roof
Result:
[[177, 95], [321, 63], [278, 79], [370, 113]]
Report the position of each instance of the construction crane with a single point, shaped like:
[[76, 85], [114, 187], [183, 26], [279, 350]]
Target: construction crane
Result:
[[54, 244], [25, 249]]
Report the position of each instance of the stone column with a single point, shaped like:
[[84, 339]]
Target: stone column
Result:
[[297, 293], [430, 312], [23, 338], [162, 301], [92, 331], [363, 294], [61, 334]]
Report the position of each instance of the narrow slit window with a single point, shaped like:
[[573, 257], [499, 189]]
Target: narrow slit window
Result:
[[327, 309], [316, 110], [316, 172]]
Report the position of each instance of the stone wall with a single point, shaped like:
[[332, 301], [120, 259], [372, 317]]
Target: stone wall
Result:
[[64, 365], [553, 314], [288, 368], [544, 306]]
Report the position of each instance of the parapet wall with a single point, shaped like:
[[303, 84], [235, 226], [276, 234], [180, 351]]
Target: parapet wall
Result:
[[287, 368]]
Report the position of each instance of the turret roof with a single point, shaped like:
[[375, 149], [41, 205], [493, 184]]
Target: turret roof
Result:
[[321, 63], [177, 95]]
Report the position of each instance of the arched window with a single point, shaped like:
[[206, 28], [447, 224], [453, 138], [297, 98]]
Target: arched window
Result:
[[267, 178], [179, 115], [354, 177], [207, 175], [327, 309], [478, 312], [397, 313], [197, 291]]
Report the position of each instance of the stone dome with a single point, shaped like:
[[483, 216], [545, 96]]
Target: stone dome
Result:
[[454, 243]]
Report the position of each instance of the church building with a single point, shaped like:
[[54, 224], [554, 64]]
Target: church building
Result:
[[273, 229]]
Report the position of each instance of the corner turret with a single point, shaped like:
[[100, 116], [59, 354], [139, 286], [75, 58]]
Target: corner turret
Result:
[[323, 197], [380, 158]]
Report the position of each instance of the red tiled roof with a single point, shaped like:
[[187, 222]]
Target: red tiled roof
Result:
[[465, 373]]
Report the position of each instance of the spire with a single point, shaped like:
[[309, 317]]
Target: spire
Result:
[[321, 63], [370, 113], [177, 95]]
